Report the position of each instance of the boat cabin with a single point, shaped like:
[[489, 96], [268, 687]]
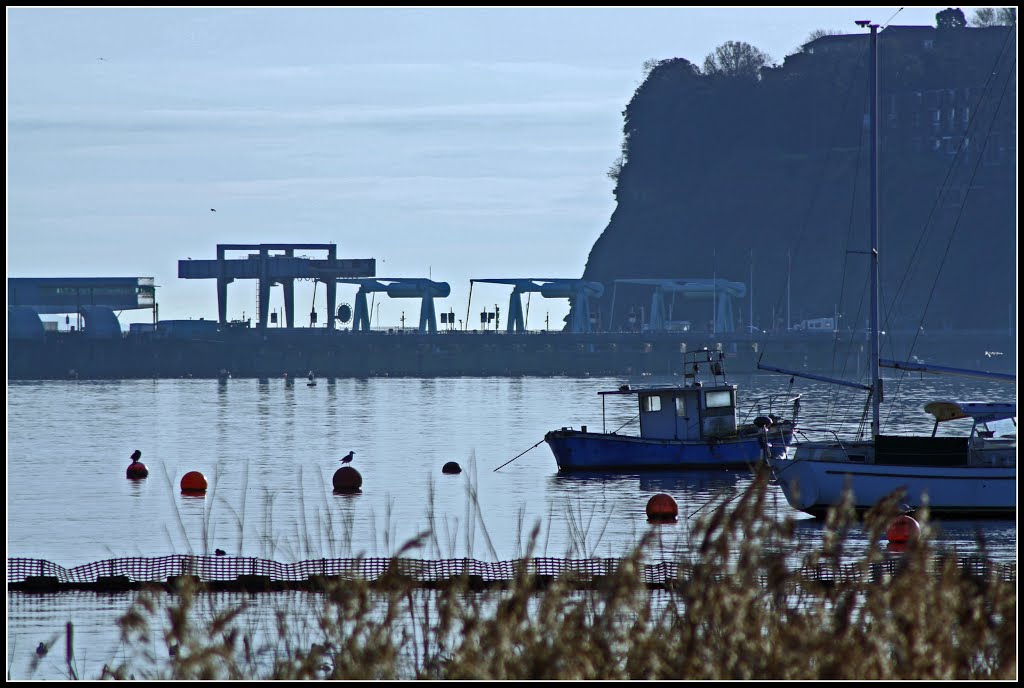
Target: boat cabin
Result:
[[979, 446], [694, 411]]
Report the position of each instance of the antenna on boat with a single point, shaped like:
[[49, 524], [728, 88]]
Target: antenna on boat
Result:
[[876, 377]]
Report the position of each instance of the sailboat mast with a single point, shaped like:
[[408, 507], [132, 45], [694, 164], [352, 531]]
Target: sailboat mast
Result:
[[876, 377]]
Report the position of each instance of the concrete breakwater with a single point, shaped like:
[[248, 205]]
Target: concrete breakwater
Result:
[[296, 352]]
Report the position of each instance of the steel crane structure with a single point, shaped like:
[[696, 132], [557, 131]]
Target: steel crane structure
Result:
[[401, 288], [578, 291]]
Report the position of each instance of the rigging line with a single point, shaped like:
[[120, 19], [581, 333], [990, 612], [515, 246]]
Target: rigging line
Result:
[[995, 114], [887, 21], [516, 457], [959, 216], [864, 415], [626, 423], [839, 121], [942, 187], [835, 394], [842, 284], [716, 496], [853, 338]]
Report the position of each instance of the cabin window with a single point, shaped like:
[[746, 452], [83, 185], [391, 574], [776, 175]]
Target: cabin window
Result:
[[652, 403], [718, 399], [681, 407]]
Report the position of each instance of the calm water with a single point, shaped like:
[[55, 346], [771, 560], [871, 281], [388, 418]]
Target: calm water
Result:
[[270, 448]]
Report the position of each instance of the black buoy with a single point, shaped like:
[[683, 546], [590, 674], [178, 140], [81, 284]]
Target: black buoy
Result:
[[451, 468]]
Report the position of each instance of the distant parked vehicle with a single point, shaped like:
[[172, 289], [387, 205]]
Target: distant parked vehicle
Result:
[[817, 325]]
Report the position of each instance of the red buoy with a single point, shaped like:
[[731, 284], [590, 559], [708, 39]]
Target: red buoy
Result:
[[137, 471], [347, 479], [903, 529], [661, 508], [193, 482]]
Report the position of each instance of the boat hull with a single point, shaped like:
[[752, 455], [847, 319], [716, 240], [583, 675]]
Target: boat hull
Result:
[[583, 451], [812, 486]]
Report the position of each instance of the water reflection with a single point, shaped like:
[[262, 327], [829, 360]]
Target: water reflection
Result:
[[682, 481], [136, 488]]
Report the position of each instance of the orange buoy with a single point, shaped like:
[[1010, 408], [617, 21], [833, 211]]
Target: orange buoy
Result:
[[347, 479], [662, 508], [903, 529], [137, 471], [451, 468], [193, 482]]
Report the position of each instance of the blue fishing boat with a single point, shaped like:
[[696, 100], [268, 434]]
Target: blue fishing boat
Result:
[[693, 425]]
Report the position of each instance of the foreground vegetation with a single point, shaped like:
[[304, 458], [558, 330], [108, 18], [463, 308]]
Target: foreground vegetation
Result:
[[744, 612]]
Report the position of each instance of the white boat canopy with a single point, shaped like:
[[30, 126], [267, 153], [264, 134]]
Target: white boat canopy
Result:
[[980, 411]]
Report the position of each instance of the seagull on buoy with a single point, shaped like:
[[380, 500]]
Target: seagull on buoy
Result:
[[348, 457]]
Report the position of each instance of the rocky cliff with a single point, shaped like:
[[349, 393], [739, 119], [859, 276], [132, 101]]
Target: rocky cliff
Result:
[[728, 176]]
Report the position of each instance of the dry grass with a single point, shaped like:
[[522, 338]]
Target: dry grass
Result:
[[743, 613]]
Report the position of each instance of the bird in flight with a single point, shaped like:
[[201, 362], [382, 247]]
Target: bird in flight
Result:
[[348, 457], [213, 210]]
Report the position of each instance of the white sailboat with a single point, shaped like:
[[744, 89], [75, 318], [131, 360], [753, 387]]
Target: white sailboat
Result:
[[973, 475]]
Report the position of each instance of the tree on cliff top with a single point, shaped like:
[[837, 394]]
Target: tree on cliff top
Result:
[[994, 16], [736, 59], [950, 18]]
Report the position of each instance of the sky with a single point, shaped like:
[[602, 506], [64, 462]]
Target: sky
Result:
[[449, 143]]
